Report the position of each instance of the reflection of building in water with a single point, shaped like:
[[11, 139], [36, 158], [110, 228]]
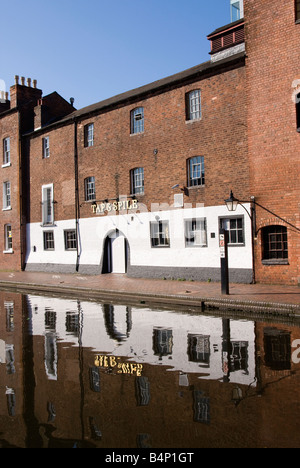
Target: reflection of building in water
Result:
[[194, 343], [51, 388]]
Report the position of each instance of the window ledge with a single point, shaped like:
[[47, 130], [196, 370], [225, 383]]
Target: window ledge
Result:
[[276, 261], [45, 225], [6, 165], [160, 246], [10, 251], [195, 187], [196, 246], [7, 209], [191, 121]]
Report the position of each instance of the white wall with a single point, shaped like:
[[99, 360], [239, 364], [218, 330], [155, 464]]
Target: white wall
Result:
[[136, 227]]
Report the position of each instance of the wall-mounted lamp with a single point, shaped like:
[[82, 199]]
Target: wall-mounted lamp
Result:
[[231, 202]]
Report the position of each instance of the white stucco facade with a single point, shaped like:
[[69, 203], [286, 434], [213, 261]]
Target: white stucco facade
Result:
[[141, 255]]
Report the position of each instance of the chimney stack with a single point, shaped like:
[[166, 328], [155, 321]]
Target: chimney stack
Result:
[[24, 93]]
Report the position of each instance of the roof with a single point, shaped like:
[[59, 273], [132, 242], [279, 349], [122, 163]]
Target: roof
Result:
[[198, 72], [239, 22]]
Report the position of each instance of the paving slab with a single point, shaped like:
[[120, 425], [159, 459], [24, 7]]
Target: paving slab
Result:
[[264, 298]]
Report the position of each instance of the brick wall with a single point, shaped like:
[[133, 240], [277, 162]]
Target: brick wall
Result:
[[57, 169], [220, 136], [168, 141], [272, 46], [9, 127]]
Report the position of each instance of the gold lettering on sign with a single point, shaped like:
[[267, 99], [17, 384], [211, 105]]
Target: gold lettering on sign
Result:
[[111, 362], [101, 208]]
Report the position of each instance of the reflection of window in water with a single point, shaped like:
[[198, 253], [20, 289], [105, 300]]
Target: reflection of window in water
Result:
[[9, 310], [94, 428], [239, 356], [72, 323], [11, 401], [94, 379], [199, 349], [10, 359], [277, 346], [201, 407], [142, 386], [162, 341], [51, 411], [50, 319], [118, 322], [51, 355]]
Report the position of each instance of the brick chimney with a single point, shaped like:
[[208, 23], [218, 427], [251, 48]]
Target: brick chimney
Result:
[[22, 95], [40, 114]]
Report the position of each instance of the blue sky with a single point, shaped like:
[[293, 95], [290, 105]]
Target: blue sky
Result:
[[97, 49]]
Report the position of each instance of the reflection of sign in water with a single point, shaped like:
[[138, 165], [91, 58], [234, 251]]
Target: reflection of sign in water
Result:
[[111, 362]]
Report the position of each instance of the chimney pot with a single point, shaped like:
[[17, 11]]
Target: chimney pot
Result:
[[16, 79], [22, 80], [34, 83], [29, 82]]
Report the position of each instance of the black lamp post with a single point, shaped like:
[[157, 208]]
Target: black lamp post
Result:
[[232, 204]]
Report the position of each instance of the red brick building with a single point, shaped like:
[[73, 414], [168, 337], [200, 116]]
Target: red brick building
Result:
[[272, 40], [137, 183]]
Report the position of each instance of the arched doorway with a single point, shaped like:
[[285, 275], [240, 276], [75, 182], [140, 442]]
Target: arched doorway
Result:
[[115, 254]]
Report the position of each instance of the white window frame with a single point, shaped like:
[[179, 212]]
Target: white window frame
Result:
[[234, 231], [8, 239], [47, 241], [46, 147], [6, 152], [89, 135], [194, 105], [70, 237], [6, 196], [137, 121], [90, 189], [195, 232], [196, 171], [47, 205], [160, 234], [137, 181]]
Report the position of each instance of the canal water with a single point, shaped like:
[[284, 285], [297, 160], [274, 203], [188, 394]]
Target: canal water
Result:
[[82, 374]]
